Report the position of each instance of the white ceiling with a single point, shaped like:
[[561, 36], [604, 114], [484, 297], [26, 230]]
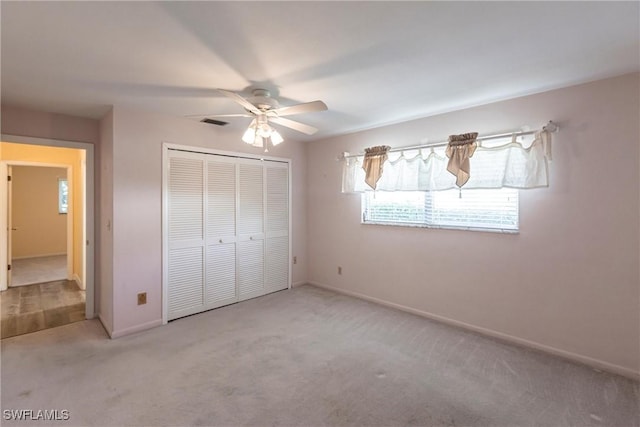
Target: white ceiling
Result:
[[373, 63]]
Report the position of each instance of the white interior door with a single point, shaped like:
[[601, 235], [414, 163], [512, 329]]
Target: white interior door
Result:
[[250, 229], [277, 227], [185, 278]]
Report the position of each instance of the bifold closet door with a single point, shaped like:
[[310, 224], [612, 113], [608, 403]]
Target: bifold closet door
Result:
[[250, 229], [221, 209], [227, 230], [185, 261], [277, 227]]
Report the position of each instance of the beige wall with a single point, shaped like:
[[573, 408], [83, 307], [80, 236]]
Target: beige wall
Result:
[[569, 282], [59, 156], [39, 124], [40, 230]]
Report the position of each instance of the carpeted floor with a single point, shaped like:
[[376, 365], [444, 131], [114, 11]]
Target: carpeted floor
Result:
[[27, 271], [305, 357]]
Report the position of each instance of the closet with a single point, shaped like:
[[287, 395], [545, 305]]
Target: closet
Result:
[[226, 230]]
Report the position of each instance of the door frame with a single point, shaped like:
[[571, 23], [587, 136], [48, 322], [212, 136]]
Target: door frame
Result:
[[166, 147], [7, 219], [6, 191], [89, 206]]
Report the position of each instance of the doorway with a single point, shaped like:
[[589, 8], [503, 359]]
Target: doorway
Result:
[[50, 268], [41, 223]]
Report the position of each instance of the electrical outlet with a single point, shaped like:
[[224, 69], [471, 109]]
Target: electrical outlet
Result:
[[295, 259], [142, 298], [339, 270]]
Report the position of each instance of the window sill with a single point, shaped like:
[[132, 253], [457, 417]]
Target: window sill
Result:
[[441, 227]]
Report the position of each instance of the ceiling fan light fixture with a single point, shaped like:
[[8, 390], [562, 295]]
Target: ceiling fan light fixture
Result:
[[264, 130], [260, 133], [250, 134], [258, 142], [276, 138]]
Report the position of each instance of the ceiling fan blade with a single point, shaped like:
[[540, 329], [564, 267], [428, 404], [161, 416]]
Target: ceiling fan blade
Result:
[[300, 127], [240, 100], [307, 107], [219, 115]]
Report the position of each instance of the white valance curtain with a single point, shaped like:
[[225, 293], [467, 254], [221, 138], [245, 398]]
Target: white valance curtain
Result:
[[513, 164]]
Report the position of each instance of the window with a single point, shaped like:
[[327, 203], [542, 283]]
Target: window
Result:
[[63, 196], [472, 209]]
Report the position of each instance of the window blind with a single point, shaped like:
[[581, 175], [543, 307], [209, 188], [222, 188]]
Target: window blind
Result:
[[475, 209]]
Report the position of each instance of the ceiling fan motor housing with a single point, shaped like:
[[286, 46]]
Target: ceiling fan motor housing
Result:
[[262, 99]]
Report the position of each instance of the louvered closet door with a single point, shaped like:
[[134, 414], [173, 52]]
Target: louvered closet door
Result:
[[250, 229], [277, 227], [185, 194], [227, 230], [220, 261]]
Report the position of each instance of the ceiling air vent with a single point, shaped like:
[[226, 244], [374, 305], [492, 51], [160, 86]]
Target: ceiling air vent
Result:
[[214, 122]]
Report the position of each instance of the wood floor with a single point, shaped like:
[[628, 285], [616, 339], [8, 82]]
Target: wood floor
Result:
[[31, 308]]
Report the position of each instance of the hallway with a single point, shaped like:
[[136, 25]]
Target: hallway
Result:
[[32, 308], [27, 271]]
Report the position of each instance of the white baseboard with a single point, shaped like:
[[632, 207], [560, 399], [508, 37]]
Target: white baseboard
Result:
[[586, 360], [38, 256], [137, 328], [104, 325], [296, 284], [77, 279]]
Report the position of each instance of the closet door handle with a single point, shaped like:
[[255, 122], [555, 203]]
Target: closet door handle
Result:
[[250, 237], [220, 240]]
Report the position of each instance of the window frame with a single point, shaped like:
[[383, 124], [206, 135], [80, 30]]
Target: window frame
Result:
[[63, 208]]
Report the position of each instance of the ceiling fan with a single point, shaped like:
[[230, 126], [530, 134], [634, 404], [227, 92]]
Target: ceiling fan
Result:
[[265, 110]]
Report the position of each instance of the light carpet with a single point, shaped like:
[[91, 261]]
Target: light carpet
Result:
[[304, 357], [27, 271]]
